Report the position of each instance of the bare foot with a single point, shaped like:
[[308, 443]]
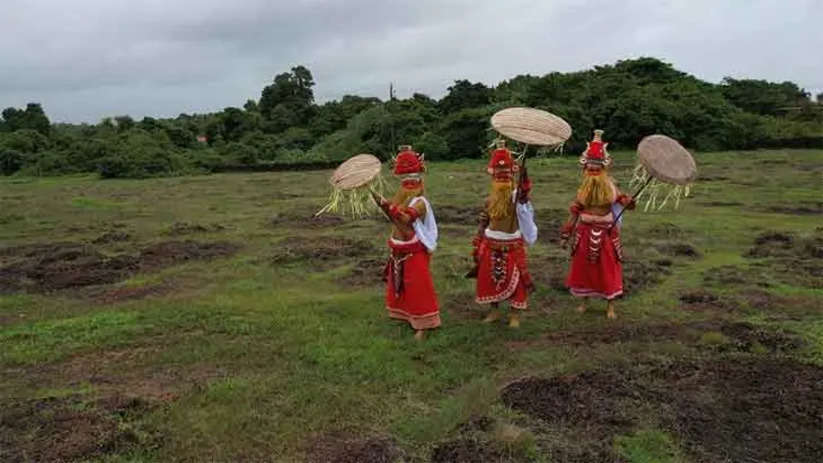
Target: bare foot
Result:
[[493, 316], [610, 313], [581, 308], [514, 320], [419, 335]]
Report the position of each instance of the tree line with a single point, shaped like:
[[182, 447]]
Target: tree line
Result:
[[629, 100]]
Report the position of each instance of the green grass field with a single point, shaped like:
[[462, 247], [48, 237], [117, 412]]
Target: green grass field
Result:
[[212, 318]]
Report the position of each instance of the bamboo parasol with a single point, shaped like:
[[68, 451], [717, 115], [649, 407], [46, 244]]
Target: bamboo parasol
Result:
[[352, 183]]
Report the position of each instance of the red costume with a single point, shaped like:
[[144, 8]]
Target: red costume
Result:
[[506, 229], [410, 294], [596, 269]]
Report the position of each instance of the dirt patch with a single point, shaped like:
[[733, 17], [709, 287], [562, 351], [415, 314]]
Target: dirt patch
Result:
[[722, 203], [46, 268], [131, 293], [366, 272], [51, 267], [549, 272], [741, 337], [702, 300], [811, 208], [713, 178], [457, 232], [665, 230], [319, 249], [465, 450], [749, 338], [186, 228], [111, 237], [457, 215], [679, 250], [339, 448], [772, 244], [168, 253], [639, 274], [797, 261], [549, 224], [733, 275], [463, 305], [67, 429], [305, 219], [732, 410]]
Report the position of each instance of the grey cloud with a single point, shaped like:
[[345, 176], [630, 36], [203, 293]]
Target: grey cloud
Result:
[[86, 59]]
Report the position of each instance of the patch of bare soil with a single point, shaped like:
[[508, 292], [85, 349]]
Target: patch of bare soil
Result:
[[186, 228], [746, 337], [67, 429], [809, 208], [366, 272], [639, 273], [457, 232], [733, 275], [59, 266], [771, 244], [112, 237], [465, 450], [733, 410], [463, 304], [742, 337], [168, 253], [341, 448], [305, 219], [550, 272], [713, 178], [702, 300], [457, 215], [319, 249], [721, 203], [549, 223], [131, 293], [665, 230], [797, 261], [679, 250]]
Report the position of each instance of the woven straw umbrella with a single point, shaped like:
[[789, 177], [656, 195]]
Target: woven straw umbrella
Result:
[[663, 164], [352, 183]]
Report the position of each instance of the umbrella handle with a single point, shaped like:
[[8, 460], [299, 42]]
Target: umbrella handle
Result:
[[639, 190]]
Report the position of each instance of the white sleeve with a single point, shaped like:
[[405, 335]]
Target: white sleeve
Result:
[[525, 218], [426, 227]]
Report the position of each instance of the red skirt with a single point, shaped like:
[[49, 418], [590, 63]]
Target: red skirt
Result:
[[502, 273], [596, 270], [410, 292]]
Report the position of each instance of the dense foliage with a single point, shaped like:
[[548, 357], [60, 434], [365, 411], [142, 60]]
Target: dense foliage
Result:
[[629, 100]]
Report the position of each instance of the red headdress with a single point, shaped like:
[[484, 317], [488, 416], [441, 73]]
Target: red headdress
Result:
[[502, 165], [596, 152], [409, 164]]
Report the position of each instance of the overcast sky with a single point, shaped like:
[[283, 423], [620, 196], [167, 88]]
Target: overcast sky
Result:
[[87, 59]]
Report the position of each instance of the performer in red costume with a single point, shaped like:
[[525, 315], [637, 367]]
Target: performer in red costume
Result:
[[410, 294], [596, 269], [507, 227]]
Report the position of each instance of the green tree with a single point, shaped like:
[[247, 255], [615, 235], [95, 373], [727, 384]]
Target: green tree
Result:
[[433, 146], [464, 94], [124, 123], [288, 101], [762, 97], [33, 118], [466, 132]]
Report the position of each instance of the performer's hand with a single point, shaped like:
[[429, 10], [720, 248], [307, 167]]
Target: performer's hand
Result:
[[575, 208], [524, 191], [380, 200], [483, 218], [632, 204]]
